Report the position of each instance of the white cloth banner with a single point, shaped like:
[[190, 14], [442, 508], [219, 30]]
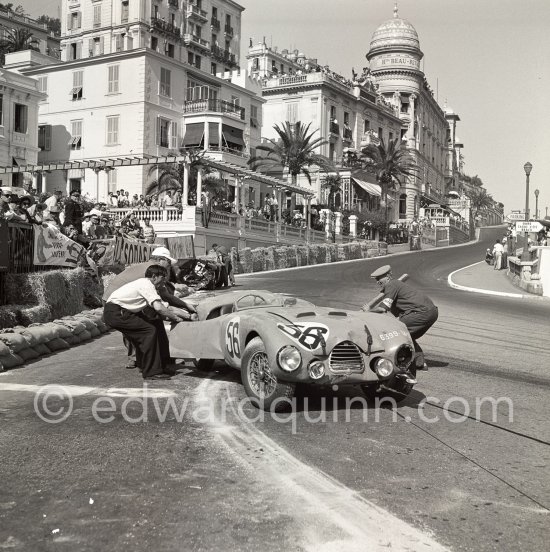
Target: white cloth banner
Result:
[[51, 247]]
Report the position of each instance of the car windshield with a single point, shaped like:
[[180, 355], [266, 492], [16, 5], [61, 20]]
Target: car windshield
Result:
[[255, 300]]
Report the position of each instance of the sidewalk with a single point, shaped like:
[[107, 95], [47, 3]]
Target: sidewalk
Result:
[[482, 278]]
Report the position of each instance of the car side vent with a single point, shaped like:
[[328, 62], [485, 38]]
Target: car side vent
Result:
[[303, 314]]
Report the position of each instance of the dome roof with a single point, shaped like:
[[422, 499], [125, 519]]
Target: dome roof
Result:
[[395, 33]]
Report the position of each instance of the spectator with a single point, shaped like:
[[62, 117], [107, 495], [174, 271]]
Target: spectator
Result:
[[228, 277], [15, 211], [53, 204], [141, 201], [113, 200], [176, 198], [167, 200], [130, 225], [38, 212], [155, 201], [148, 231], [205, 208], [73, 211], [498, 250], [135, 201]]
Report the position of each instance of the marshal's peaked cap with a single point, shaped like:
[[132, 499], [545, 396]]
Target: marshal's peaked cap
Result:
[[381, 272]]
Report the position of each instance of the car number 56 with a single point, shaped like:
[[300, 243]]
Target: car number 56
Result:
[[232, 339]]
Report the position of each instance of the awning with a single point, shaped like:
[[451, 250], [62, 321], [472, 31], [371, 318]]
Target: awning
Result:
[[193, 134], [372, 189], [213, 134], [18, 161], [233, 135]]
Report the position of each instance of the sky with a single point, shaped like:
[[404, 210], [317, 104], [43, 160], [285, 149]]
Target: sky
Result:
[[488, 59]]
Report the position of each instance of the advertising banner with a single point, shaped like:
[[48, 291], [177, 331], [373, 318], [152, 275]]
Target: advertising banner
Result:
[[129, 251], [51, 247], [102, 252]]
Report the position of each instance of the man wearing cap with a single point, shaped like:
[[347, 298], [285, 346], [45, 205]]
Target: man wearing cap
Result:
[[74, 211], [162, 257], [412, 307]]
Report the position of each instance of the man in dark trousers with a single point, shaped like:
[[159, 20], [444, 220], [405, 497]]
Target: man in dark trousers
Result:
[[412, 307], [124, 312], [74, 213], [162, 257], [228, 277]]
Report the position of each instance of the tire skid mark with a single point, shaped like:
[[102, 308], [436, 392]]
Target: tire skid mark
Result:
[[328, 515]]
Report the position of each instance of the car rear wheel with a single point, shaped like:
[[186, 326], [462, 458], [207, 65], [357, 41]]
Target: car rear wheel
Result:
[[262, 387]]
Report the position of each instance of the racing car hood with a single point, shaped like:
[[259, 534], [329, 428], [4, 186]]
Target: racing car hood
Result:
[[313, 326]]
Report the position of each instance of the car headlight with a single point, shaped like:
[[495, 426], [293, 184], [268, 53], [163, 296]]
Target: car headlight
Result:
[[289, 358], [383, 367], [316, 369]]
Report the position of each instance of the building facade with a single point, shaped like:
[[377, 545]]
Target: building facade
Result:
[[145, 78], [19, 100]]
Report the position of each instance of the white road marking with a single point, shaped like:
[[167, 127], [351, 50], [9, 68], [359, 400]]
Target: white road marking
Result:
[[328, 515], [78, 390]]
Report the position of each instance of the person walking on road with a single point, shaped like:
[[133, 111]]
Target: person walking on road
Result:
[[124, 312], [414, 308], [498, 250]]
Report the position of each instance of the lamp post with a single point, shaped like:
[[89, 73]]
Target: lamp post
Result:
[[528, 167], [536, 204]]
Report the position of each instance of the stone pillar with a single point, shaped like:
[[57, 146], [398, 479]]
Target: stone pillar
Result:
[[199, 188], [326, 214], [185, 196], [338, 223], [412, 113], [97, 171], [353, 225], [280, 204]]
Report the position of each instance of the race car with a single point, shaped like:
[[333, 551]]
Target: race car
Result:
[[277, 341]]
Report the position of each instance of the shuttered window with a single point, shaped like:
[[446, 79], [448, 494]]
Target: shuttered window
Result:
[[165, 78], [113, 79], [112, 130]]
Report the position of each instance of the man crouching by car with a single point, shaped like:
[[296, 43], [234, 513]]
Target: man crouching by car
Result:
[[124, 311]]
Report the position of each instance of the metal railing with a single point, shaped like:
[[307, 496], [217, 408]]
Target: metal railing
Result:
[[162, 25], [189, 38], [224, 55], [217, 106]]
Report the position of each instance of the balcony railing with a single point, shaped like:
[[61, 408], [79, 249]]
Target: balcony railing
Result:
[[228, 29], [224, 55], [161, 25], [193, 12], [232, 151], [348, 134], [334, 128], [217, 106], [216, 24], [195, 40]]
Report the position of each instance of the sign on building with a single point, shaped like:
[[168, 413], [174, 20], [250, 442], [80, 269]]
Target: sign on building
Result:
[[528, 227], [516, 216]]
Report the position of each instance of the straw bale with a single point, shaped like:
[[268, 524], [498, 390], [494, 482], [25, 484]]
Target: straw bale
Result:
[[9, 316], [15, 341], [85, 335], [58, 344], [258, 259], [34, 315], [302, 254], [45, 332], [31, 335], [73, 340], [28, 354], [42, 349], [95, 332], [4, 349], [11, 360], [89, 324]]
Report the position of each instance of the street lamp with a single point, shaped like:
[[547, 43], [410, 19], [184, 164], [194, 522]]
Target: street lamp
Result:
[[527, 168], [536, 204]]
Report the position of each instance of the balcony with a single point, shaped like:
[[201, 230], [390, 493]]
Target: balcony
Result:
[[215, 106], [216, 24], [174, 3], [224, 56], [162, 26], [309, 79], [228, 30], [334, 128], [370, 137], [193, 13], [194, 40], [348, 134]]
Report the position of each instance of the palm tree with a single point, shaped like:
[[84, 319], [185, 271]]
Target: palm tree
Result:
[[480, 200], [293, 150], [333, 184], [16, 40], [391, 164], [171, 175]]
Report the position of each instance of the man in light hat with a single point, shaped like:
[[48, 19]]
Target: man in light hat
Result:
[[415, 309], [159, 256]]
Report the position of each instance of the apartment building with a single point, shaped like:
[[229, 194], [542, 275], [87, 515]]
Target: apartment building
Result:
[[136, 81]]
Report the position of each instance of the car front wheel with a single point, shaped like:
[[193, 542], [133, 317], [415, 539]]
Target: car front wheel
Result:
[[262, 387]]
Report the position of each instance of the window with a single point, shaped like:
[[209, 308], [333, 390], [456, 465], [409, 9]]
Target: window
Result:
[[292, 112], [213, 68], [75, 50], [366, 126], [380, 132], [97, 15], [154, 43], [20, 118], [111, 181], [403, 206], [1, 109], [96, 46], [170, 50], [45, 137], [214, 12], [174, 135], [198, 91], [76, 135], [198, 31], [254, 121], [198, 61], [390, 137], [346, 118], [43, 84], [76, 92], [332, 113], [236, 101], [190, 58], [112, 130], [113, 72], [124, 12], [74, 20], [165, 77], [119, 43], [163, 132]]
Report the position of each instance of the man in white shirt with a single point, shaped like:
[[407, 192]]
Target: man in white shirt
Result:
[[124, 312], [53, 204], [498, 250]]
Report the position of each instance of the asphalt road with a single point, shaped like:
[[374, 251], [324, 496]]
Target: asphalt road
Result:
[[191, 468]]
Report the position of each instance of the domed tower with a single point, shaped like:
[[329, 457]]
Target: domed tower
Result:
[[394, 58]]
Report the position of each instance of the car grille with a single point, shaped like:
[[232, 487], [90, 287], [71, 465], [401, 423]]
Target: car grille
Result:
[[346, 357]]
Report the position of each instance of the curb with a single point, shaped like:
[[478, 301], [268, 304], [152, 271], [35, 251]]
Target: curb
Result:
[[487, 291]]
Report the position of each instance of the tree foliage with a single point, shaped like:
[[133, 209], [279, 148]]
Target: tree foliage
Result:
[[53, 24], [294, 150], [480, 200]]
